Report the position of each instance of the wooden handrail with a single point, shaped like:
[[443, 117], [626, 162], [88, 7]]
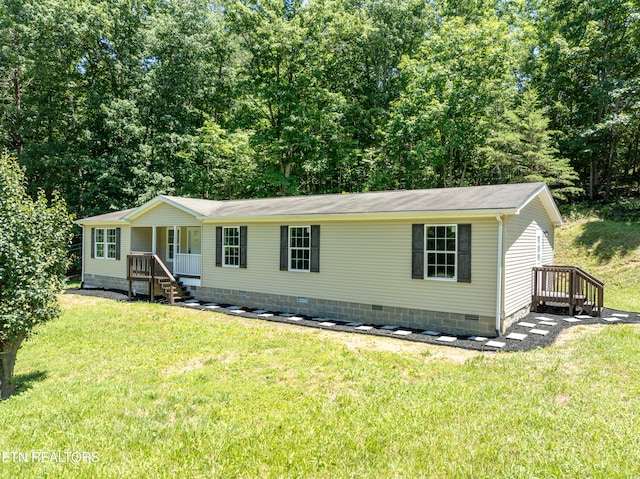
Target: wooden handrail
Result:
[[567, 285], [148, 267]]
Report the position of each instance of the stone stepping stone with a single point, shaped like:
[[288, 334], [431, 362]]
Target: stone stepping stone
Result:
[[326, 323], [541, 318], [232, 308], [527, 325], [620, 315], [402, 332], [190, 301], [478, 338], [539, 332], [431, 333], [265, 315], [287, 315], [446, 339], [237, 311], [572, 320], [389, 327], [495, 344], [209, 304], [192, 305], [583, 316], [548, 323], [212, 306], [364, 328], [516, 336], [612, 320], [295, 318], [259, 311], [320, 319], [353, 325]]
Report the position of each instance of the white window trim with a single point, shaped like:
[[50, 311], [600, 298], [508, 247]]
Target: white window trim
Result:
[[289, 248], [105, 243], [426, 254], [177, 250], [224, 256]]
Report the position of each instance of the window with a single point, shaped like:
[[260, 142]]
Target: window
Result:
[[231, 246], [441, 251], [105, 245], [299, 248], [173, 246]]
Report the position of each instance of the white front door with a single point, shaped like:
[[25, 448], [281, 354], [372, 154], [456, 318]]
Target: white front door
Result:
[[193, 241]]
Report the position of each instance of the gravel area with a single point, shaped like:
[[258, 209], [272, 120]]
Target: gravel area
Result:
[[536, 330]]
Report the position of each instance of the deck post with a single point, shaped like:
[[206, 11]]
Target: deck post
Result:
[[152, 292]]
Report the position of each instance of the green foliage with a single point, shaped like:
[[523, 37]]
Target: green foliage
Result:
[[33, 259], [158, 391]]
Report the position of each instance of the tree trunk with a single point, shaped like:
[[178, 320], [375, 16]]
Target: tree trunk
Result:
[[8, 353]]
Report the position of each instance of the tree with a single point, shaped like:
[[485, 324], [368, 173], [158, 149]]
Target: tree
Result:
[[521, 148], [33, 261]]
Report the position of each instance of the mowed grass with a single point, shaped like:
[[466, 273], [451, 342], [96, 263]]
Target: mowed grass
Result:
[[167, 392], [610, 251]]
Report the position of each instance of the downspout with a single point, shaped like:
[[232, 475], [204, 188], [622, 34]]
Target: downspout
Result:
[[499, 280], [82, 255]]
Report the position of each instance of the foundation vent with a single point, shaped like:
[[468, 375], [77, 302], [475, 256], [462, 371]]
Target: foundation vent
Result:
[[303, 300], [471, 317], [376, 307]]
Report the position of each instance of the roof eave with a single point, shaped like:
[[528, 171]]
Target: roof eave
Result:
[[155, 202], [547, 201]]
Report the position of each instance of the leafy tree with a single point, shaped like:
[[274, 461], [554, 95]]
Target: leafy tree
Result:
[[521, 148], [33, 261]]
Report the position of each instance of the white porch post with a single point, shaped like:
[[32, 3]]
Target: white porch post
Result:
[[176, 243], [153, 239]]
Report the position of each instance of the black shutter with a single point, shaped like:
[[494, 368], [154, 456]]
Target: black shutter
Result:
[[117, 244], [218, 245], [284, 248], [315, 249], [417, 251], [93, 242], [464, 253], [243, 246]]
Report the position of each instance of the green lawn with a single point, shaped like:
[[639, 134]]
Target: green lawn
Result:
[[609, 250], [162, 392]]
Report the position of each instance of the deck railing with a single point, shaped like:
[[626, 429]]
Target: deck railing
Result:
[[187, 264], [148, 267], [568, 285]]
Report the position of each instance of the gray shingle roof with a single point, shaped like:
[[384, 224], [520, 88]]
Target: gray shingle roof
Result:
[[473, 198]]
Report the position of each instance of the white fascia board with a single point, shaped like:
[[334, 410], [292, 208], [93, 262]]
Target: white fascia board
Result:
[[140, 210], [548, 203], [336, 217], [101, 222]]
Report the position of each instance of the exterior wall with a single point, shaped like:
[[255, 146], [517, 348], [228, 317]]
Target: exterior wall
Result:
[[108, 282], [141, 239], [366, 263], [165, 215], [107, 267], [452, 323], [520, 253]]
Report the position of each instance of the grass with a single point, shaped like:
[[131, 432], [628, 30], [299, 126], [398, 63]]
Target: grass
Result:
[[609, 250], [161, 392]]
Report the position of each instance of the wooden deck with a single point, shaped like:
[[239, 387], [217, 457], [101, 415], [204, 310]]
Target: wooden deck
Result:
[[149, 268], [567, 285]]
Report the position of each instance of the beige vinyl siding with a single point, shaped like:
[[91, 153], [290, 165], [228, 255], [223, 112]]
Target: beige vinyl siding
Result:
[[520, 256], [141, 239], [360, 262], [107, 267], [165, 215]]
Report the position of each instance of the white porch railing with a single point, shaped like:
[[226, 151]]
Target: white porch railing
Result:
[[187, 264]]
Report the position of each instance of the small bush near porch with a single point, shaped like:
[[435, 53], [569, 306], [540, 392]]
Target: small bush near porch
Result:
[[156, 391]]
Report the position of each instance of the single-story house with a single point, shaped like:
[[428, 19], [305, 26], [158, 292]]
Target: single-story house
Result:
[[457, 260]]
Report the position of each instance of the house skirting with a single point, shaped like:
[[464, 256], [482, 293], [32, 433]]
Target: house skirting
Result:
[[452, 323], [109, 282]]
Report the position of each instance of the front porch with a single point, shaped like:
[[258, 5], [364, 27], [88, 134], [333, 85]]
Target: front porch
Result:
[[177, 247]]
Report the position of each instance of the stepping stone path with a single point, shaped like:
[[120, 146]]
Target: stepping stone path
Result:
[[548, 323], [516, 336], [431, 333], [234, 308], [583, 316], [620, 315], [287, 315], [364, 328], [446, 339], [495, 344], [237, 311], [612, 320], [265, 315], [402, 332], [295, 318], [572, 320], [540, 332], [326, 323], [527, 325], [478, 338], [259, 311]]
